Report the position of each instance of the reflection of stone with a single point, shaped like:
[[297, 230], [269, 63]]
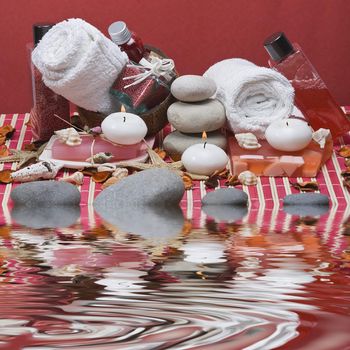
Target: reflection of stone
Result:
[[147, 221], [228, 213], [38, 217]]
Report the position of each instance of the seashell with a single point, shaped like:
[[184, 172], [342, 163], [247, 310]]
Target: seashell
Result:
[[100, 158], [42, 170], [106, 167], [248, 178], [320, 136], [111, 181], [247, 140], [120, 173], [69, 136], [76, 178]]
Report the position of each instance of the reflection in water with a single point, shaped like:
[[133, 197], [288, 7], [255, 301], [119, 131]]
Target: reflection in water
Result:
[[46, 217], [235, 285], [152, 222]]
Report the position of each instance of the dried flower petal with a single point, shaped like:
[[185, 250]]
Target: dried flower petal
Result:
[[7, 131], [307, 221], [310, 186], [5, 176], [188, 182], [34, 146], [232, 180], [346, 173], [187, 227], [347, 162], [161, 153], [346, 183], [101, 176], [344, 151], [221, 174], [4, 151], [89, 171], [212, 182], [111, 181]]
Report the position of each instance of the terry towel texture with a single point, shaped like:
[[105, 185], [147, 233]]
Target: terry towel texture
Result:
[[253, 96], [78, 62]]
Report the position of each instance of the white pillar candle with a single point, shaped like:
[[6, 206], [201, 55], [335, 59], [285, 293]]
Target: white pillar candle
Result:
[[289, 134], [204, 159], [124, 128]]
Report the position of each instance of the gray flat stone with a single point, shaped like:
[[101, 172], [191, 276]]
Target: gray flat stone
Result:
[[153, 187], [46, 193], [306, 204], [176, 142], [226, 196], [197, 117], [39, 217], [306, 199], [225, 213], [146, 203], [193, 88]]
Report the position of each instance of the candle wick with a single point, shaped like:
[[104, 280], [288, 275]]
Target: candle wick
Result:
[[204, 144], [287, 123], [124, 119]]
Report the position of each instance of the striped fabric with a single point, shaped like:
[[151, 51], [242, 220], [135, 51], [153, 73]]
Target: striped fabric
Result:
[[264, 199]]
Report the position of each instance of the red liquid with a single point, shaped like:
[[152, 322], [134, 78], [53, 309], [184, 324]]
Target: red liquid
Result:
[[134, 48], [311, 94], [321, 110]]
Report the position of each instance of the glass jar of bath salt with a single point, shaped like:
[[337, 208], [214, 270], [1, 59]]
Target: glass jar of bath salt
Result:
[[46, 103]]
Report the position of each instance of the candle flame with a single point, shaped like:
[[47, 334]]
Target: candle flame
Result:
[[122, 108], [204, 136]]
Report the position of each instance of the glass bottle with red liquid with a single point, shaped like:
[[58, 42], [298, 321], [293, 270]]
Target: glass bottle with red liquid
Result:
[[312, 96], [129, 42]]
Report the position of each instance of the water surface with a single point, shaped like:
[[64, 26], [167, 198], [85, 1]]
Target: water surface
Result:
[[251, 284]]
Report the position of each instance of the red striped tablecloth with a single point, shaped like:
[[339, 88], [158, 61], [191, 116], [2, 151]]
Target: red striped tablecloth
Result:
[[264, 199]]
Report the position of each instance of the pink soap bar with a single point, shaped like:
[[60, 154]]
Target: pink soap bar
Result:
[[83, 151]]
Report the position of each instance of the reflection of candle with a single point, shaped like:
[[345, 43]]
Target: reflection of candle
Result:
[[204, 158], [289, 134], [124, 128]]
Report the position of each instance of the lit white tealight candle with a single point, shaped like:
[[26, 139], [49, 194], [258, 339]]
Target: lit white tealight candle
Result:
[[124, 128], [289, 134], [204, 158]]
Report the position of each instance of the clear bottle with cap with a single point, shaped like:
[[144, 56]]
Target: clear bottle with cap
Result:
[[128, 41], [312, 96], [46, 103]]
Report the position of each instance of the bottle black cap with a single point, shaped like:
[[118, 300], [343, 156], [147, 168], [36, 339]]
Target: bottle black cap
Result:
[[278, 46], [39, 30]]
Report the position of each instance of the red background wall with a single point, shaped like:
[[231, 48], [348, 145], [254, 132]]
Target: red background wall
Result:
[[196, 33]]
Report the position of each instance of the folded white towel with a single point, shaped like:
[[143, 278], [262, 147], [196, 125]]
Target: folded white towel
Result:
[[78, 62], [253, 96]]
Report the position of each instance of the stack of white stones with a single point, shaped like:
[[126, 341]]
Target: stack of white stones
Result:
[[194, 113]]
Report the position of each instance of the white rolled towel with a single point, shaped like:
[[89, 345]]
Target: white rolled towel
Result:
[[253, 96], [78, 62]]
